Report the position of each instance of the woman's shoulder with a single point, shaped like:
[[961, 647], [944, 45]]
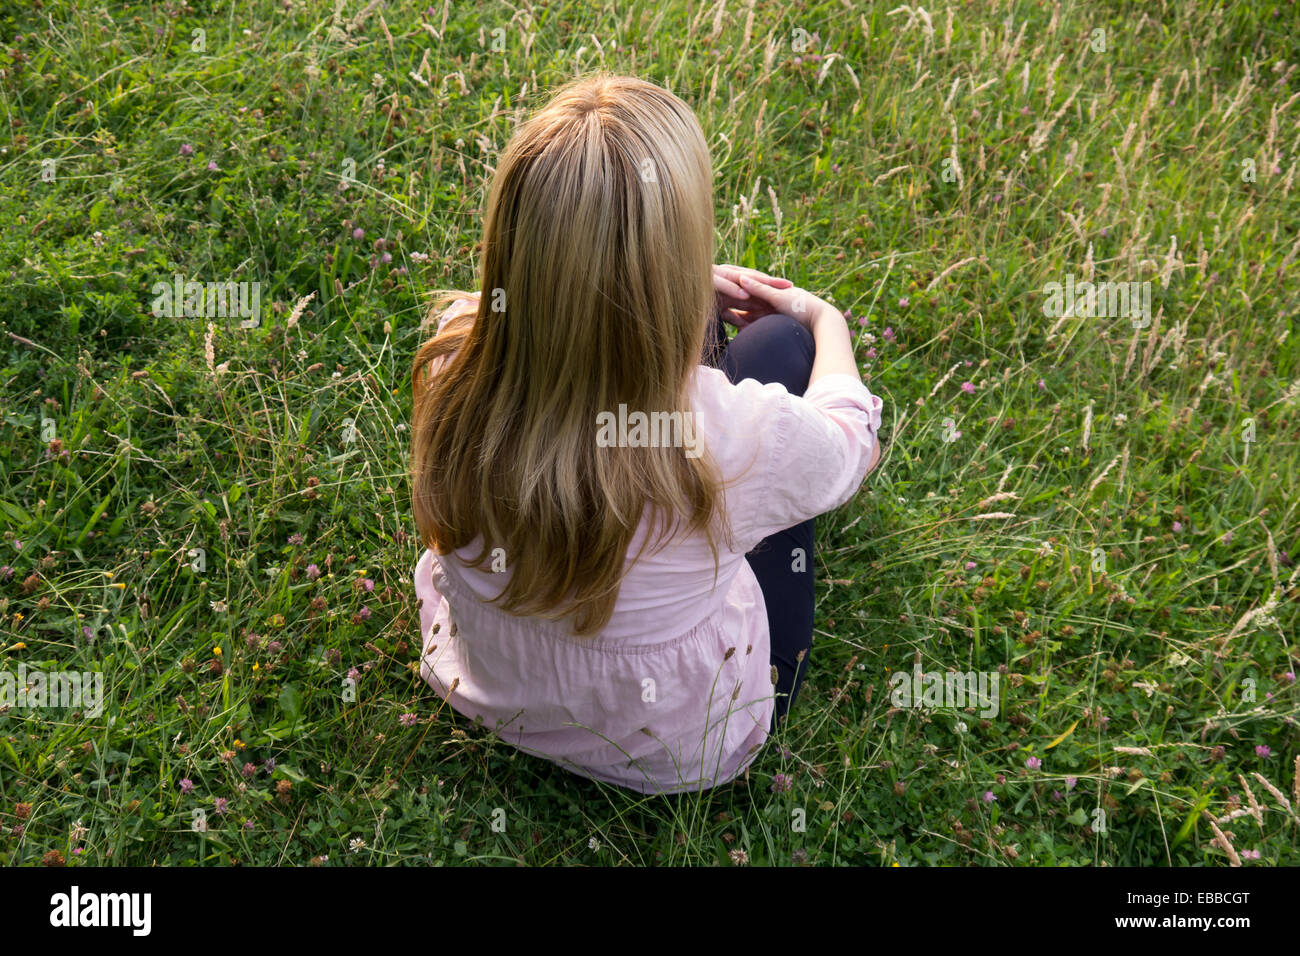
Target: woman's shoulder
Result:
[[463, 307]]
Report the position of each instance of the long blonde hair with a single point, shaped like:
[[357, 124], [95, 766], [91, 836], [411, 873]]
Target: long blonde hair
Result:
[[596, 291]]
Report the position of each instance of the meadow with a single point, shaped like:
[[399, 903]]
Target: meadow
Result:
[[1090, 511]]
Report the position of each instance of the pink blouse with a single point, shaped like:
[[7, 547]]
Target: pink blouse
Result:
[[676, 693]]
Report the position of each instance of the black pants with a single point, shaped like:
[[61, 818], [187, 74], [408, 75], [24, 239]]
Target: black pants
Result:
[[777, 348]]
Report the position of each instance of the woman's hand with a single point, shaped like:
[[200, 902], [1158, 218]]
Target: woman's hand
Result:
[[788, 299], [737, 305]]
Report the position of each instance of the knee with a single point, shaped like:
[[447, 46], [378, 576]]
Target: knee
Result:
[[775, 348], [784, 330]]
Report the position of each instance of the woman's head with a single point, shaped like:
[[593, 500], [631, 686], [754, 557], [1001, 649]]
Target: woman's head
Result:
[[595, 293]]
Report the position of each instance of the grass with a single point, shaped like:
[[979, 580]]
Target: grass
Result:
[[1100, 516]]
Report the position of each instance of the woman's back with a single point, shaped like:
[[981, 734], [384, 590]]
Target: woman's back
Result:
[[676, 692]]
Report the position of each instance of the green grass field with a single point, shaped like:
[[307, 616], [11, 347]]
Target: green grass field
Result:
[[1096, 511]]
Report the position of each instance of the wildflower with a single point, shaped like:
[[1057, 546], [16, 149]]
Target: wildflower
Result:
[[1071, 782], [248, 824], [358, 233], [799, 857], [968, 388], [239, 744], [1033, 763], [904, 302], [989, 796], [212, 166], [6, 573], [23, 810], [249, 770], [216, 652], [187, 785], [593, 844], [1056, 795], [782, 782], [356, 844], [739, 857], [1042, 386], [1178, 527], [408, 719], [218, 606], [1227, 537], [889, 334], [221, 804], [313, 572], [1262, 751], [367, 585], [186, 149], [53, 858], [275, 647], [364, 613], [295, 538], [971, 565], [1290, 677], [269, 764], [871, 352]]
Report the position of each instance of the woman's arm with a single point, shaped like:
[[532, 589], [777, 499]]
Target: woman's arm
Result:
[[830, 331]]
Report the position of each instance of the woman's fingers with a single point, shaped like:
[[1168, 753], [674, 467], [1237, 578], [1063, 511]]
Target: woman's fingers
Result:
[[742, 317], [795, 302], [734, 273], [724, 285], [746, 312], [755, 287], [748, 294]]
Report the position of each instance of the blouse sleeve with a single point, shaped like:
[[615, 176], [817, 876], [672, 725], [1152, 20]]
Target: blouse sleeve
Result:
[[809, 454]]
